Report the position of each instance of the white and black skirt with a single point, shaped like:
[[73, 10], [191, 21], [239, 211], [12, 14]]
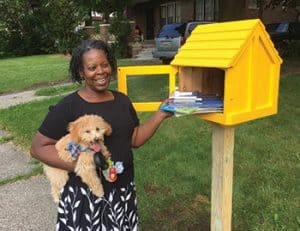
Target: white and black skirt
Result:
[[79, 209]]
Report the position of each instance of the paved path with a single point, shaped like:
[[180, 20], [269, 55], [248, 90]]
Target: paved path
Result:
[[17, 98], [25, 204]]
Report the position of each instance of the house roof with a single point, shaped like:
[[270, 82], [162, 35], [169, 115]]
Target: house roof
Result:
[[220, 45]]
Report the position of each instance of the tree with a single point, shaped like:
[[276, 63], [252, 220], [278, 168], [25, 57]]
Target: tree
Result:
[[38, 26], [64, 18], [47, 26], [87, 6], [119, 24], [120, 28], [285, 4], [106, 7], [20, 21]]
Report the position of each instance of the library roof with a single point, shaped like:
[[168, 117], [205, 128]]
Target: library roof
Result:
[[220, 45]]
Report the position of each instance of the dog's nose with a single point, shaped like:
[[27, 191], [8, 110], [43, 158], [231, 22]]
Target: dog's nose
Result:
[[96, 140]]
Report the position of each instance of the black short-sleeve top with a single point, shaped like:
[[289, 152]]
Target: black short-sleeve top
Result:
[[119, 113]]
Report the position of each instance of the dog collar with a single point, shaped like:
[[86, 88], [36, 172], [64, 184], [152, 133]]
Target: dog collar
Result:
[[74, 149]]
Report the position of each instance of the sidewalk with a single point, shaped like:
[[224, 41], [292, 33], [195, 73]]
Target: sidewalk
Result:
[[25, 204], [17, 98]]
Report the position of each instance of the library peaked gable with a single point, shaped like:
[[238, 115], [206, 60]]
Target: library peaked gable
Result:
[[222, 45]]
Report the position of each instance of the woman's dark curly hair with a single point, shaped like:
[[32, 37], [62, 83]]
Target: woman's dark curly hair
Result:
[[76, 64]]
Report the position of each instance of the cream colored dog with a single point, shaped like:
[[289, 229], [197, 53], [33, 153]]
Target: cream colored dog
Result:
[[85, 138]]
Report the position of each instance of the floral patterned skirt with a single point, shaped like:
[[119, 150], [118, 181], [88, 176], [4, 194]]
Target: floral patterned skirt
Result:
[[79, 209]]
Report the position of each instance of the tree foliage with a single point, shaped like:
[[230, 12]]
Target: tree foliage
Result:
[[283, 3], [46, 26], [120, 28], [106, 7], [38, 26], [119, 24], [64, 18]]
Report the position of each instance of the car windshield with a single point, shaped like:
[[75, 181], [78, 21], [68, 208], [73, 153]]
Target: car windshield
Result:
[[194, 24], [169, 30], [192, 27]]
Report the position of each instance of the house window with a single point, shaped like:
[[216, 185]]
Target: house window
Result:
[[170, 13], [205, 10]]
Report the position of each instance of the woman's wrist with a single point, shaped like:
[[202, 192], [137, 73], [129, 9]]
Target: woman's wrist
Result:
[[163, 114]]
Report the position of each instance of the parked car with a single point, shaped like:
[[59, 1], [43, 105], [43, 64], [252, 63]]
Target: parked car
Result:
[[171, 37], [167, 42], [284, 31]]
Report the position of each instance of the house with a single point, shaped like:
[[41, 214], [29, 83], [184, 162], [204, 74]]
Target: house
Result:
[[150, 15]]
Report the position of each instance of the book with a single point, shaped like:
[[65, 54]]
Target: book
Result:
[[187, 103]]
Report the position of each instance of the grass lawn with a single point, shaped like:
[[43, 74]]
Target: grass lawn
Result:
[[32, 71], [40, 70], [173, 170]]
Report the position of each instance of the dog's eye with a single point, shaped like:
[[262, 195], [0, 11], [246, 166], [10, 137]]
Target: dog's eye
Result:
[[97, 129], [87, 131]]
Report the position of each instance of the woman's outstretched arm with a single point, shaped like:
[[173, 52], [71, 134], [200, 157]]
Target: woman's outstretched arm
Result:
[[145, 131]]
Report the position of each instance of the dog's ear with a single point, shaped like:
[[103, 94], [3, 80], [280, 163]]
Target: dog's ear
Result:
[[73, 129], [108, 129]]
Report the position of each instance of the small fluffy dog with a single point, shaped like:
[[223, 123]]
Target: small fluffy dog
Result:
[[85, 138]]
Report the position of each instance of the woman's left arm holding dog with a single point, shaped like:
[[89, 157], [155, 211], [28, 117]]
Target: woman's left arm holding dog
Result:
[[43, 149]]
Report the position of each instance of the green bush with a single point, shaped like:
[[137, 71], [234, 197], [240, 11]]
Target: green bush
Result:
[[41, 28], [66, 44], [288, 48], [293, 49], [120, 28], [3, 42]]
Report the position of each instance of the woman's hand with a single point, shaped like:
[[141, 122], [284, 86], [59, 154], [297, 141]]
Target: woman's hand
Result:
[[164, 114]]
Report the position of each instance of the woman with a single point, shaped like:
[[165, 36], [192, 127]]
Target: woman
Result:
[[93, 63]]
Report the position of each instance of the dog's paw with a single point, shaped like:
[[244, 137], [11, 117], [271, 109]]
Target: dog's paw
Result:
[[98, 192], [55, 195], [56, 200], [106, 154]]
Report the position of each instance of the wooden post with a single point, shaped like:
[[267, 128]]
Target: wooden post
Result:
[[222, 174]]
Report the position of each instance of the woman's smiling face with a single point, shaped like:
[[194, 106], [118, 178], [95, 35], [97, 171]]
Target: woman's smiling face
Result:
[[96, 70]]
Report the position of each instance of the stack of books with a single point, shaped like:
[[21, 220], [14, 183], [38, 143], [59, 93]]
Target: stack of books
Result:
[[185, 103]]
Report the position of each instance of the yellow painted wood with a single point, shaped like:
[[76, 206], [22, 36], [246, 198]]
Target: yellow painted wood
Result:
[[124, 72], [147, 107], [250, 63]]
